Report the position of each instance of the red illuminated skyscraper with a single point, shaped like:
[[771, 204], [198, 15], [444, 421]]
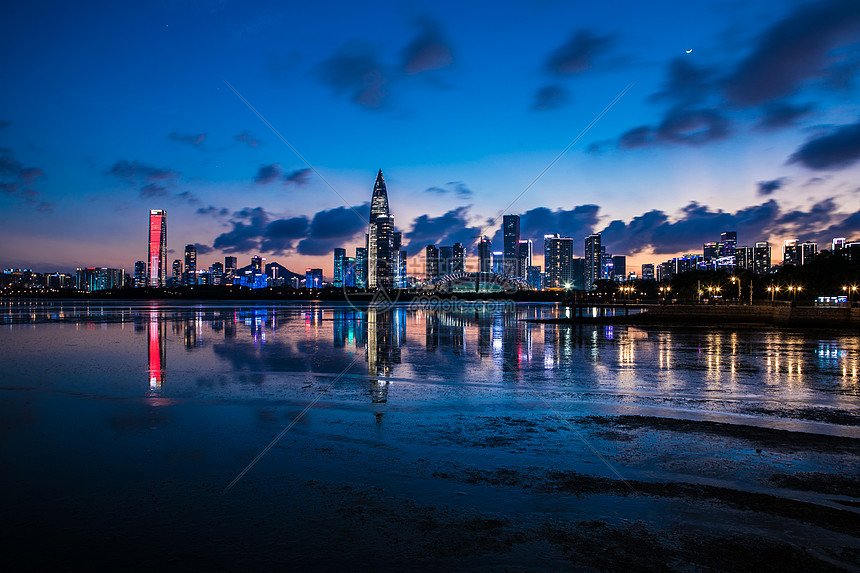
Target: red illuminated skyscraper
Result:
[[157, 248]]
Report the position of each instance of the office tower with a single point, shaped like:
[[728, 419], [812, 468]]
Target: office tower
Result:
[[619, 267], [349, 272], [511, 244], [361, 267], [216, 271], [190, 265], [606, 269], [592, 260], [157, 248], [558, 261], [446, 260], [313, 278], [648, 272], [577, 266], [533, 276], [790, 252], [807, 250], [524, 256], [91, 279], [338, 267], [431, 262], [458, 258], [744, 258], [729, 239], [837, 243], [404, 280], [257, 264], [712, 251], [139, 274], [381, 251], [761, 258], [396, 262], [230, 266], [485, 251], [498, 262]]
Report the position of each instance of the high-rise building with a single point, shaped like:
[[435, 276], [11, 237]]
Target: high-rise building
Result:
[[176, 277], [511, 244], [648, 272], [837, 243], [592, 260], [534, 277], [381, 249], [91, 279], [139, 274], [313, 278], [790, 252], [257, 264], [619, 268], [230, 266], [431, 262], [190, 265], [712, 250], [157, 248], [498, 262], [761, 258], [216, 271], [458, 258], [485, 255], [729, 239], [349, 272], [808, 250], [361, 267], [744, 258], [524, 254], [607, 271], [403, 279], [558, 261], [446, 260], [338, 267]]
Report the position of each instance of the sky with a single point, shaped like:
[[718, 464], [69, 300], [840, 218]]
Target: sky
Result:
[[260, 126]]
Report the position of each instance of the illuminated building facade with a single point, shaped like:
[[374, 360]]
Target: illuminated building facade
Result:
[[157, 248]]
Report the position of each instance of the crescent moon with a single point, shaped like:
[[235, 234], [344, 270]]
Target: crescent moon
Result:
[[690, 50]]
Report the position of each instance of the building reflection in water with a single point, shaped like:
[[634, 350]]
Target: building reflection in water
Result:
[[157, 346], [386, 331]]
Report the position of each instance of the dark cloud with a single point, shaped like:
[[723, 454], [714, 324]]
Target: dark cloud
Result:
[[188, 196], [686, 84], [636, 137], [849, 227], [540, 221], [10, 166], [779, 115], [4, 124], [679, 126], [192, 139], [428, 51], [768, 187], [697, 224], [803, 222], [135, 171], [299, 177], [835, 150], [793, 51], [456, 187], [333, 228], [598, 147], [17, 181], [213, 211], [153, 190], [244, 237], [452, 227], [247, 139], [578, 54], [203, 249], [280, 235], [267, 173], [355, 71], [549, 97]]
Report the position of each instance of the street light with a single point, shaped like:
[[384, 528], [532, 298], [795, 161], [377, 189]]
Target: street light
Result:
[[664, 292], [772, 290], [850, 289], [737, 280]]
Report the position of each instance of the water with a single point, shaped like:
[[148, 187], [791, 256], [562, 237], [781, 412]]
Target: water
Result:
[[135, 407]]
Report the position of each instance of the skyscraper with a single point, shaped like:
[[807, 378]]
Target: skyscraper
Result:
[[257, 264], [558, 259], [761, 258], [361, 267], [790, 252], [230, 266], [744, 258], [524, 255], [648, 272], [176, 279], [808, 250], [338, 267], [511, 244], [619, 268], [431, 262], [458, 258], [729, 239], [157, 248], [446, 260], [485, 254], [190, 265], [592, 260], [381, 252], [139, 274]]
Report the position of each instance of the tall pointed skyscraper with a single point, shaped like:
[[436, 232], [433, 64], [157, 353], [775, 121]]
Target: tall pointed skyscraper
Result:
[[381, 259]]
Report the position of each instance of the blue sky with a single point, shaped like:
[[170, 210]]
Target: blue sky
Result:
[[111, 109]]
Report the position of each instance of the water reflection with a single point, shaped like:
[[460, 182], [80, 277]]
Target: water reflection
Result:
[[157, 341]]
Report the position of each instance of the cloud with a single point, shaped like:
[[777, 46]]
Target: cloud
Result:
[[428, 51], [803, 222], [452, 227], [299, 177], [152, 181], [4, 124], [793, 51], [549, 97], [153, 190], [779, 115], [17, 181], [686, 84], [247, 139], [577, 222], [280, 235], [679, 126], [213, 211], [192, 139], [835, 150], [456, 187], [188, 196], [333, 228], [355, 71], [578, 54], [849, 227], [244, 237], [267, 173], [768, 187], [203, 249]]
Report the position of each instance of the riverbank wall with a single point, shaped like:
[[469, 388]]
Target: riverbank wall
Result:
[[776, 314]]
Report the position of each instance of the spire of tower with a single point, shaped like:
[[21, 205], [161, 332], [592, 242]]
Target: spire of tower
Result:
[[379, 201]]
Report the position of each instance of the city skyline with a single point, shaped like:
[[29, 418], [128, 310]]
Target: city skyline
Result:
[[743, 133]]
